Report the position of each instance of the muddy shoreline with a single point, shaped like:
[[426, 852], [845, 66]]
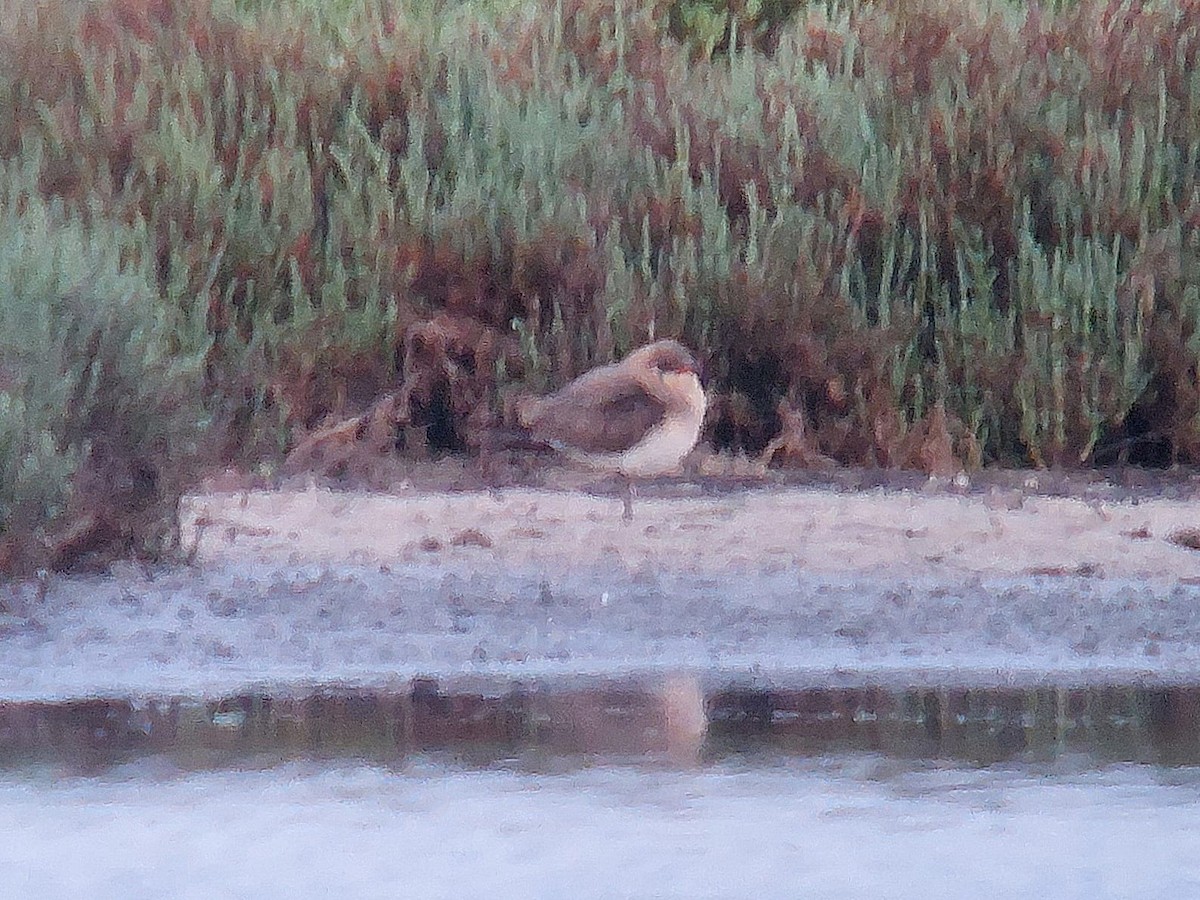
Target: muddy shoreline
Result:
[[986, 583]]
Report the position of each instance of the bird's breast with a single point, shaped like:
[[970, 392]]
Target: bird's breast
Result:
[[664, 446]]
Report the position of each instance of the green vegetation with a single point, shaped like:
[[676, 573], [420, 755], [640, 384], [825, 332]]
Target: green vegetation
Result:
[[874, 218], [100, 413]]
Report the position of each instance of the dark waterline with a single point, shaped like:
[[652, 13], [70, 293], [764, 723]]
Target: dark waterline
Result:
[[676, 721]]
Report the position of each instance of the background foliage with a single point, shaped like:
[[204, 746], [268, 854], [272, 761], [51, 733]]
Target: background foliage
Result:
[[884, 225]]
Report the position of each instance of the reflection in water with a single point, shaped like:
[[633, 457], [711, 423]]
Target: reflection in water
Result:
[[672, 719], [1111, 723]]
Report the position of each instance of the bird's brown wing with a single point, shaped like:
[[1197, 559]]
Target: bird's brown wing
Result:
[[605, 411]]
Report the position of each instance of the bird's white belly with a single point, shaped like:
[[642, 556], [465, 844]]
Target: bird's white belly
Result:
[[662, 449], [658, 453]]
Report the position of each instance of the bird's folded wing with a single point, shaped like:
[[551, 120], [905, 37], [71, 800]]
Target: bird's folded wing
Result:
[[608, 413]]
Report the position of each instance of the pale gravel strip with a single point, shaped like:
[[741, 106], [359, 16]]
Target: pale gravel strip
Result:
[[313, 587], [876, 532]]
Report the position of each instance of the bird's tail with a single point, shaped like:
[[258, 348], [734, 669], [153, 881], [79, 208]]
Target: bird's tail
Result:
[[508, 455], [510, 439]]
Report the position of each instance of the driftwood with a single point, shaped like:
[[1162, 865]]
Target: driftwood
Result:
[[352, 446], [792, 446], [445, 401], [938, 444]]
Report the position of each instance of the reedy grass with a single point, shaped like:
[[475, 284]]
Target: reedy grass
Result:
[[884, 211], [101, 420]]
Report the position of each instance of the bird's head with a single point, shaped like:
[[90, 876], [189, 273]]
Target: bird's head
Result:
[[666, 358]]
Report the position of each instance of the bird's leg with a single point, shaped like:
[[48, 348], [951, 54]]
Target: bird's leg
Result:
[[627, 494]]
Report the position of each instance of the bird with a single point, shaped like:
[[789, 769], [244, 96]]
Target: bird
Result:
[[638, 417]]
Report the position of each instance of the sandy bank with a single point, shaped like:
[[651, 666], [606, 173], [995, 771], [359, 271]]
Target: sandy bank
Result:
[[884, 533], [821, 584]]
